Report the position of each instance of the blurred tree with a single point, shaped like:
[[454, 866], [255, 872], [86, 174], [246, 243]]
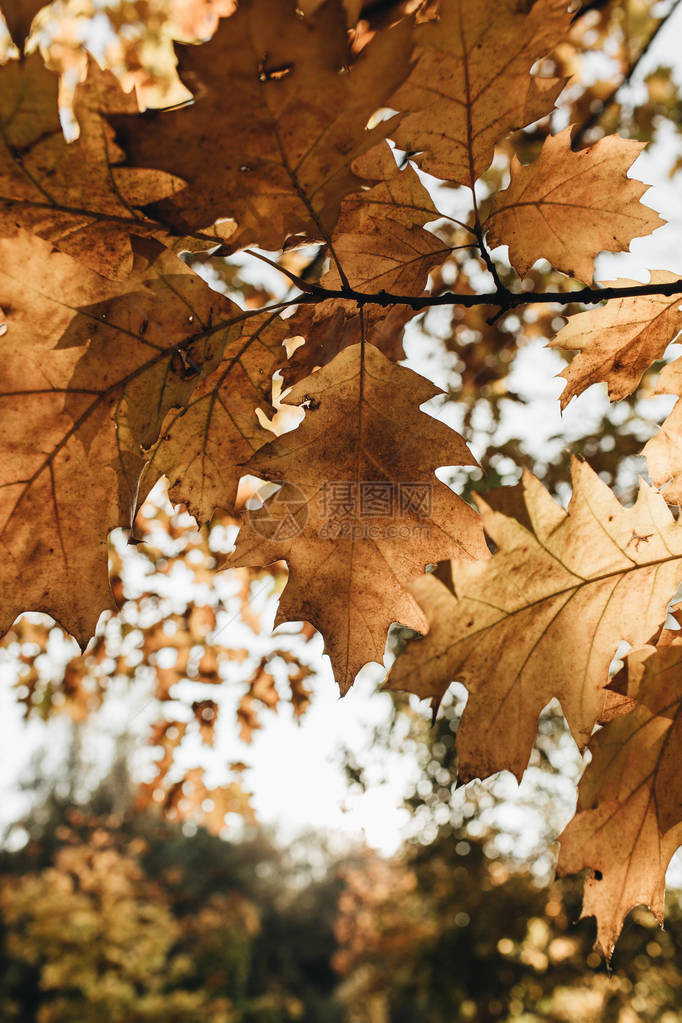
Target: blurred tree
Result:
[[447, 934], [110, 913]]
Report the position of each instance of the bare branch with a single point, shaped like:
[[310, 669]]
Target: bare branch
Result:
[[500, 299]]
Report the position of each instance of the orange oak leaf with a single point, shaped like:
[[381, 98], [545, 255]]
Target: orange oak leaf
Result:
[[471, 84], [360, 513], [618, 342], [379, 243], [90, 370], [664, 451], [627, 824], [72, 194], [568, 206], [203, 445], [277, 157], [544, 616]]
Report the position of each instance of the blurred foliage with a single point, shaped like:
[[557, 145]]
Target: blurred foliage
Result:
[[449, 934], [111, 913]]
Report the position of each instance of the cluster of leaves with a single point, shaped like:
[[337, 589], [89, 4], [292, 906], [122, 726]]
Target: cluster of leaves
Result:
[[123, 366]]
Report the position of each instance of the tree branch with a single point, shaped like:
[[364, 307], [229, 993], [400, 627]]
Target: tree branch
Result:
[[500, 299]]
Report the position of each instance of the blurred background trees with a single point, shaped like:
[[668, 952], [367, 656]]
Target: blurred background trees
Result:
[[137, 884], [108, 912]]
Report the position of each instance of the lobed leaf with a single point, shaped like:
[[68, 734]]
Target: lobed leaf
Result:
[[569, 206], [75, 195], [277, 157], [471, 83], [618, 342], [379, 244], [544, 616], [664, 451], [628, 821], [360, 513], [91, 370]]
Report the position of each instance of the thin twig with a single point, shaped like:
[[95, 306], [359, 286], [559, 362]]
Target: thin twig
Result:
[[487, 259], [298, 281]]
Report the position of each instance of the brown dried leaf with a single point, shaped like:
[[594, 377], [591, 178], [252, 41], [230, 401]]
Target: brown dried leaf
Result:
[[277, 157], [203, 446], [357, 472], [618, 342], [569, 206], [471, 84], [206, 714], [544, 616], [90, 371], [627, 824], [664, 451], [380, 244], [72, 194]]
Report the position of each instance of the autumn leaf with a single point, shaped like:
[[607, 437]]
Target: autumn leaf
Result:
[[618, 342], [90, 372], [544, 616], [203, 445], [360, 513], [664, 451], [189, 798], [72, 194], [379, 243], [379, 240], [296, 120], [310, 134], [627, 825], [471, 84], [569, 206]]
